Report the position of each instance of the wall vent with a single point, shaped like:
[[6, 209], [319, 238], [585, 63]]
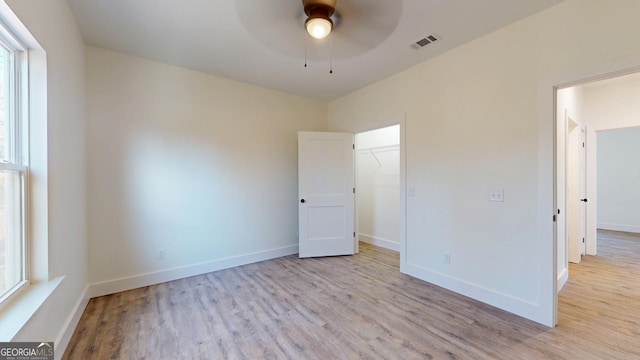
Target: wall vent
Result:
[[430, 39]]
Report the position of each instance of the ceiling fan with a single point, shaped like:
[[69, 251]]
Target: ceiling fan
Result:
[[356, 26]]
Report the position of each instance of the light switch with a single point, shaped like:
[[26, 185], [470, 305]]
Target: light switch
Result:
[[496, 195], [412, 191]]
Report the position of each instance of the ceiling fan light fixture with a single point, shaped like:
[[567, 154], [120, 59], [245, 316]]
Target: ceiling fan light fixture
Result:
[[318, 27], [319, 24]]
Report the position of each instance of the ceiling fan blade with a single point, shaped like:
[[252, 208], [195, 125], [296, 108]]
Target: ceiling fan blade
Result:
[[364, 24]]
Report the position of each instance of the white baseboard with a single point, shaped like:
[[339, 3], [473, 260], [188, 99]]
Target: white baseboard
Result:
[[520, 307], [137, 281], [562, 278], [619, 227], [387, 244], [62, 341]]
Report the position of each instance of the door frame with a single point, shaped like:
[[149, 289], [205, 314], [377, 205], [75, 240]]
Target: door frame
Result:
[[547, 94], [402, 188], [357, 165]]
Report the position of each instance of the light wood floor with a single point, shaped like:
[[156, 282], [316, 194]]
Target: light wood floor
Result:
[[360, 307]]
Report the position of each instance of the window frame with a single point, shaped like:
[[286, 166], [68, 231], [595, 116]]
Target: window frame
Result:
[[18, 116]]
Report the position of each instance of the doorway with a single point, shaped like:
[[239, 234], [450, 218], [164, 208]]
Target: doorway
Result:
[[599, 106], [583, 112], [378, 195]]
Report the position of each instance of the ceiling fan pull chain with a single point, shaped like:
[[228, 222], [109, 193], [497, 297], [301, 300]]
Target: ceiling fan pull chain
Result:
[[331, 53], [305, 48]]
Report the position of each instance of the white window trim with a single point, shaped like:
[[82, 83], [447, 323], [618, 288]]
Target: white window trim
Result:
[[13, 167], [20, 110], [25, 304]]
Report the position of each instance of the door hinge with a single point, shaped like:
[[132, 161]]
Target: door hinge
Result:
[[582, 240], [554, 218], [354, 190], [354, 146], [582, 144], [354, 234]]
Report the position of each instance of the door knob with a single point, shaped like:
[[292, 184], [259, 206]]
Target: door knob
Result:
[[302, 201], [583, 200]]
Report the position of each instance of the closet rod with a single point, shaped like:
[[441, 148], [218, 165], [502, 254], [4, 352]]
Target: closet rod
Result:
[[381, 148], [375, 157]]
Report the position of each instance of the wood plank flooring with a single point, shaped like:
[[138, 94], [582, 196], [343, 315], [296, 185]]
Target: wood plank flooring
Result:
[[360, 307]]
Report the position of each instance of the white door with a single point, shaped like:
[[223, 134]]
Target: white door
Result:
[[326, 194], [574, 195], [591, 171], [582, 186]]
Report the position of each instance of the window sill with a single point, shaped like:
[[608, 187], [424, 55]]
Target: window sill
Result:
[[17, 313]]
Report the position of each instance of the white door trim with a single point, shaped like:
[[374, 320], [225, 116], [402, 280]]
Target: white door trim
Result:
[[403, 193], [402, 121]]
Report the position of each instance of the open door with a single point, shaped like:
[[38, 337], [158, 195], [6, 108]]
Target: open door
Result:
[[592, 191], [575, 205], [326, 194], [577, 194], [582, 176]]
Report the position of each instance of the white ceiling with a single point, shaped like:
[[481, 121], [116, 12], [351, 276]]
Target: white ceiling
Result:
[[236, 40]]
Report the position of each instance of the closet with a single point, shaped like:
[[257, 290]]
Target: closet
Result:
[[378, 187]]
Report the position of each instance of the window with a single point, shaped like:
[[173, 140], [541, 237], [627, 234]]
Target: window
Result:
[[13, 165]]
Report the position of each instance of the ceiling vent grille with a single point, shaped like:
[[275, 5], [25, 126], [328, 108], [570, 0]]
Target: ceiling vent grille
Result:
[[430, 39]]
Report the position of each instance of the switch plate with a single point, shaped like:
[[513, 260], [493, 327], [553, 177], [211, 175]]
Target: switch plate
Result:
[[496, 195], [412, 191], [446, 258]]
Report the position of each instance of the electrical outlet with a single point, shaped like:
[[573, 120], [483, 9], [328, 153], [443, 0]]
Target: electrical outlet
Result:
[[161, 254], [446, 258], [496, 195]]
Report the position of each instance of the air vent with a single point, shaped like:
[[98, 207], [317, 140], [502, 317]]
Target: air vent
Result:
[[426, 41]]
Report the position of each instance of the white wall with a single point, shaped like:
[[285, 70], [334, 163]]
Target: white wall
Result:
[[478, 119], [619, 179], [378, 187], [613, 105], [53, 26], [198, 166]]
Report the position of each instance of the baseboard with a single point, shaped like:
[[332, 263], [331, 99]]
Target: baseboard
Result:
[[619, 227], [562, 278], [520, 307], [387, 244], [137, 281], [62, 341]]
